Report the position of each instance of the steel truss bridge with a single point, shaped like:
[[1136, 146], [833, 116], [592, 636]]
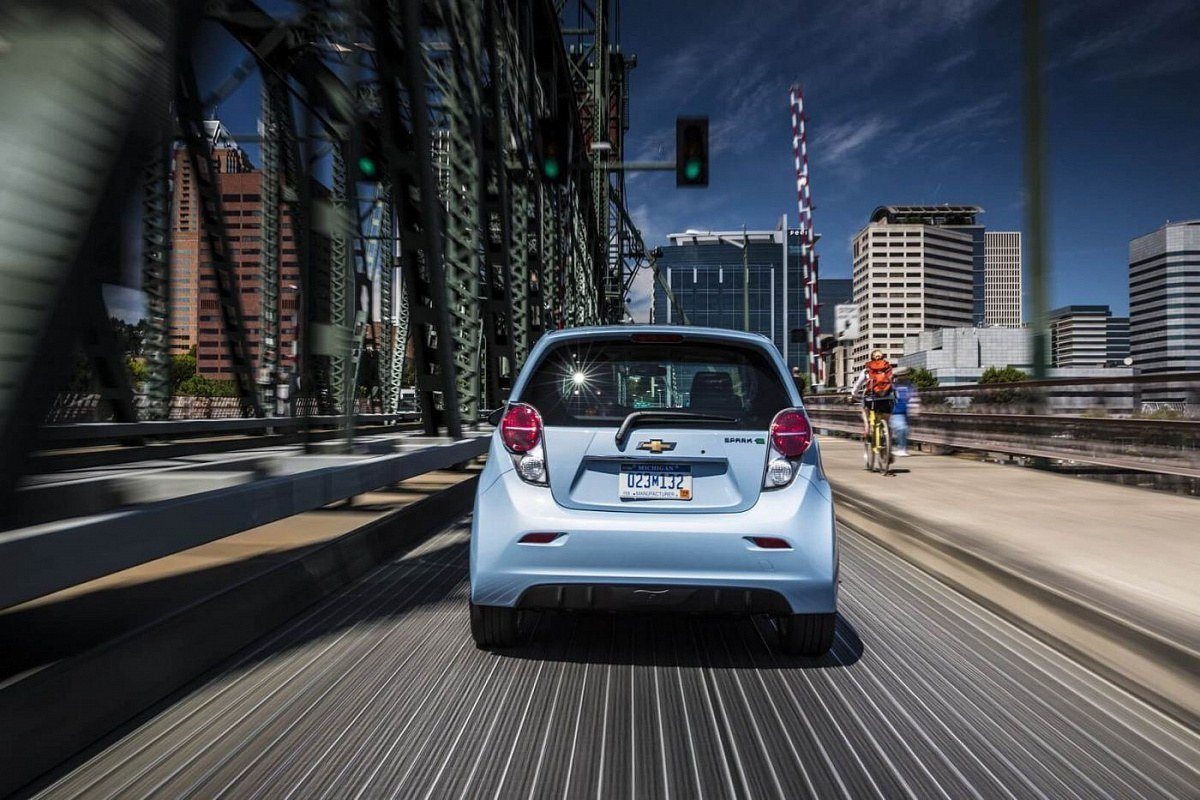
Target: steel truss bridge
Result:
[[424, 118]]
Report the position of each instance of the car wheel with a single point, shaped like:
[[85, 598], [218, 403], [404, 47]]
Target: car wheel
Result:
[[806, 634], [493, 626]]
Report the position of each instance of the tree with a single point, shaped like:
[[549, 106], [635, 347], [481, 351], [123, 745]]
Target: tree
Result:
[[200, 386], [923, 378], [182, 367], [1008, 374], [137, 369]]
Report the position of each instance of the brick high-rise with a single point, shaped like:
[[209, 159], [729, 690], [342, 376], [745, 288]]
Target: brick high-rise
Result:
[[196, 319]]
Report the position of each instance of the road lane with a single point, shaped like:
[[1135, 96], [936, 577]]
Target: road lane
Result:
[[378, 692]]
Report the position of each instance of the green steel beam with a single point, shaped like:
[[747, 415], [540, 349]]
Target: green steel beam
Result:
[[156, 277], [274, 96]]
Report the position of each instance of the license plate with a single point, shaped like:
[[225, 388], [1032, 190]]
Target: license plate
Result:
[[655, 482]]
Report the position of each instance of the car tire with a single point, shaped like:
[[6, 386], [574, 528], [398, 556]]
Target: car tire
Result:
[[493, 626], [806, 634]]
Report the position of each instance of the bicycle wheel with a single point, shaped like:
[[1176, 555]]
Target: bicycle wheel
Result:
[[884, 456], [868, 453]]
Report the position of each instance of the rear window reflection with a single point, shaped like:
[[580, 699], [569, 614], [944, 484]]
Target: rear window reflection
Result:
[[597, 383]]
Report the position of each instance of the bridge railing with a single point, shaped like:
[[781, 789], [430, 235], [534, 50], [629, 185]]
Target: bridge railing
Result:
[[113, 522], [101, 432], [68, 407], [1147, 423]]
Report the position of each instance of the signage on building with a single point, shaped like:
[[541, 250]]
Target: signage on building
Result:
[[845, 321]]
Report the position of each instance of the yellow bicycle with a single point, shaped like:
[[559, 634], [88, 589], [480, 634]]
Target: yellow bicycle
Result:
[[878, 445]]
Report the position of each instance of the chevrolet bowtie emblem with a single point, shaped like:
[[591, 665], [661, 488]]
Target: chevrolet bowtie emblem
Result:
[[656, 446]]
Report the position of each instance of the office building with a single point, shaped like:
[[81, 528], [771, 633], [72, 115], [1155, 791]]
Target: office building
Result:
[[705, 270], [1164, 298], [914, 270], [1079, 336], [1118, 341], [195, 309], [959, 356], [1002, 279], [832, 292]]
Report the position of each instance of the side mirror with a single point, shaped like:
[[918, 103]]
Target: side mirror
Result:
[[495, 415]]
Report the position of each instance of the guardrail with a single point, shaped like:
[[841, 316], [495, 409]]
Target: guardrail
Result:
[[46, 558], [70, 407], [96, 432], [1102, 422]]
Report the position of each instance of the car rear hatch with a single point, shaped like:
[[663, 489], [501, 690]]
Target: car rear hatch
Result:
[[692, 414], [684, 470]]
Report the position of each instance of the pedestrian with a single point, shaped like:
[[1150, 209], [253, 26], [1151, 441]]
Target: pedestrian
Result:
[[907, 403], [798, 379]]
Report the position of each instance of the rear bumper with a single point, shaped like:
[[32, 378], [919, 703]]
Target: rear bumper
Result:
[[615, 560], [678, 599]]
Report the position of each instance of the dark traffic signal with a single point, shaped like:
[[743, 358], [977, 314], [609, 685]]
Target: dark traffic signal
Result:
[[691, 151], [370, 150], [554, 157]]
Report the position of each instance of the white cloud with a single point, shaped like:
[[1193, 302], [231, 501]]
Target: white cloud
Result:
[[839, 142]]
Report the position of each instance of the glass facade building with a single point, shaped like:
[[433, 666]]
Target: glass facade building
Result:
[[707, 276]]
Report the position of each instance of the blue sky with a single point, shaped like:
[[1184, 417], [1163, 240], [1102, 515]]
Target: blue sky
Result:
[[918, 101], [909, 101]]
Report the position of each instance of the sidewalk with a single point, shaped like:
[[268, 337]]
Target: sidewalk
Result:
[[76, 664], [1121, 565]]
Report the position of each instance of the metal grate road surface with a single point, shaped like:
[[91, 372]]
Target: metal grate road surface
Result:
[[378, 692]]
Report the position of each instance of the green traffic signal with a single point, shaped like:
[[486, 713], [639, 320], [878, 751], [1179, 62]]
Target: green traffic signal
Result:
[[550, 167], [691, 151], [367, 167]]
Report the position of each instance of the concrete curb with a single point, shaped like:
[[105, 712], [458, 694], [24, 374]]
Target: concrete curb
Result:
[[53, 713], [1162, 673]]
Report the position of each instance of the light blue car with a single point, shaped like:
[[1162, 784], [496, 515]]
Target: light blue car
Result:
[[654, 468]]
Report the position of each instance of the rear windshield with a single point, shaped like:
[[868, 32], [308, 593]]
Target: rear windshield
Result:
[[598, 383]]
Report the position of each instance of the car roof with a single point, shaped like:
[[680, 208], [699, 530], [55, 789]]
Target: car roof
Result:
[[599, 331], [584, 333]]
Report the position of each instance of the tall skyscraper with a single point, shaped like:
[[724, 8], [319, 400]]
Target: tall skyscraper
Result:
[[914, 270], [188, 250], [1164, 298], [1002, 279], [196, 319]]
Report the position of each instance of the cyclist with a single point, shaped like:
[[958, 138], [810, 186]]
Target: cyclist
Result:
[[875, 389], [908, 402]]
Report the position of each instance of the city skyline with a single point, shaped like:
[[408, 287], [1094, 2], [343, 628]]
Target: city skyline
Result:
[[876, 140], [889, 123]]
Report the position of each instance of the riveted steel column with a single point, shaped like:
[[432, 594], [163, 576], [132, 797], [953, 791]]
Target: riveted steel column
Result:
[[156, 278]]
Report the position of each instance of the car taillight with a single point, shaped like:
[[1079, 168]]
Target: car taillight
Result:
[[521, 428], [790, 433]]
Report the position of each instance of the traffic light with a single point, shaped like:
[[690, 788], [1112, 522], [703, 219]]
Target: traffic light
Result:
[[691, 151], [554, 157], [370, 153]]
